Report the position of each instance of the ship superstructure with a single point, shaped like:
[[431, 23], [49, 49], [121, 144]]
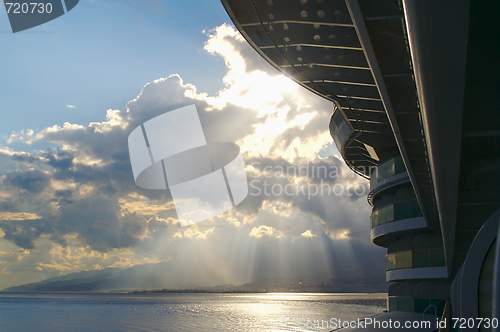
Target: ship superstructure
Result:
[[413, 86]]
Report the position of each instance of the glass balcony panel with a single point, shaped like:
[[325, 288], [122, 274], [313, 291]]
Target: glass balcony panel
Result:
[[339, 129], [381, 216], [400, 303], [393, 303], [400, 260], [420, 258], [407, 260], [401, 210], [374, 218], [440, 304], [405, 303], [409, 305], [391, 168], [437, 257], [399, 166], [384, 218], [389, 213], [382, 172], [415, 209], [337, 119], [415, 304], [391, 262], [395, 212], [387, 169], [421, 304], [342, 133], [386, 214]]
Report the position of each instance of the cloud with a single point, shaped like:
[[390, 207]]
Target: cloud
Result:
[[77, 206], [18, 216], [263, 230], [308, 234], [193, 232], [70, 106]]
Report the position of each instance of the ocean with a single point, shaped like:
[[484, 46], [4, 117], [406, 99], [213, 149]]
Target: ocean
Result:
[[182, 311]]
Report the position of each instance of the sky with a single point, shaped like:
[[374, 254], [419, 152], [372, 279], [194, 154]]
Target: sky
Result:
[[73, 89]]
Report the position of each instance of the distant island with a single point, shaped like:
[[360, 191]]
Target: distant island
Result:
[[306, 284]]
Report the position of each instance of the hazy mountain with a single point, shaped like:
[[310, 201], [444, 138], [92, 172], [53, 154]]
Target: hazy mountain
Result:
[[161, 277], [98, 280], [147, 276]]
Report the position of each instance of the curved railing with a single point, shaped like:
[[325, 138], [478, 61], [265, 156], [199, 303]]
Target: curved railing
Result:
[[416, 258], [415, 304], [344, 130], [387, 169], [339, 129], [395, 211]]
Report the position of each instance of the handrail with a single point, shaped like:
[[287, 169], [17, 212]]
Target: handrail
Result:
[[435, 312], [351, 137], [374, 179], [383, 206], [417, 304], [384, 214], [418, 297], [410, 262]]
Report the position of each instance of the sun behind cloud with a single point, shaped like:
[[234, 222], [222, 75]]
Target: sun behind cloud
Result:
[[76, 207]]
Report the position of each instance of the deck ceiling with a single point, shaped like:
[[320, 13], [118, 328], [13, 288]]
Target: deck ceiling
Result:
[[316, 44]]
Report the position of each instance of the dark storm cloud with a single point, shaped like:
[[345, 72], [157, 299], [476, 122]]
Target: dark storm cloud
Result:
[[100, 223], [8, 205], [31, 181], [24, 232], [59, 160], [25, 158], [63, 193]]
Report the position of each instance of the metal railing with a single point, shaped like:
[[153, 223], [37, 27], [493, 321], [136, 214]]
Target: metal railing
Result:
[[416, 304], [416, 258], [387, 169], [395, 211], [339, 128]]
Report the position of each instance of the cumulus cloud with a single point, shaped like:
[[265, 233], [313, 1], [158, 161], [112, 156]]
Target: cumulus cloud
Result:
[[308, 233], [79, 202], [263, 230]]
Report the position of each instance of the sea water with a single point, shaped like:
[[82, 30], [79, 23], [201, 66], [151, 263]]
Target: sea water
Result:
[[183, 311]]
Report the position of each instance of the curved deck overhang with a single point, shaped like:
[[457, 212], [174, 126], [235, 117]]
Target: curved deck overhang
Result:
[[381, 235], [390, 182], [437, 272]]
